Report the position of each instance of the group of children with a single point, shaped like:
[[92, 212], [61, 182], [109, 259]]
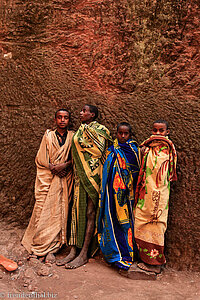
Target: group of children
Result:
[[91, 191]]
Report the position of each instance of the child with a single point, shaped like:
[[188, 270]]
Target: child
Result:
[[46, 231], [115, 225], [157, 170], [88, 149]]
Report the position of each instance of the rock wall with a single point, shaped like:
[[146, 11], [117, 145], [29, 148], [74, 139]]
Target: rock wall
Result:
[[136, 60]]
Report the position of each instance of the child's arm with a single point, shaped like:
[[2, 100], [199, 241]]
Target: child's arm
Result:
[[42, 157]]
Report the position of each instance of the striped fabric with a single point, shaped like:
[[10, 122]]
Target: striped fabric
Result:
[[88, 147]]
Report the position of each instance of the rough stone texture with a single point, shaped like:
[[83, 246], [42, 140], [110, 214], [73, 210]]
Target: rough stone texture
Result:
[[137, 60], [95, 280]]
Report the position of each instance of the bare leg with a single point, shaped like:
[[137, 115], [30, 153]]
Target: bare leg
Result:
[[83, 257], [68, 258]]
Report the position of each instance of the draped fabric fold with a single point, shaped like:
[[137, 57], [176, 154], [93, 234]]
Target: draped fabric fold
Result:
[[158, 169], [116, 224], [47, 228], [88, 150]]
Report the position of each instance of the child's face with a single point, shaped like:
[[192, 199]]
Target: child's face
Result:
[[160, 129], [62, 119], [123, 134], [86, 115]]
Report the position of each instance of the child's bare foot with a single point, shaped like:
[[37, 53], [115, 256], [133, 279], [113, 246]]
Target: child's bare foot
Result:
[[71, 256], [50, 258], [31, 256], [41, 258], [77, 262], [149, 268]]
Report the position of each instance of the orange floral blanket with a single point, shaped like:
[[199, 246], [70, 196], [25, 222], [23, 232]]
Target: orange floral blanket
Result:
[[158, 169]]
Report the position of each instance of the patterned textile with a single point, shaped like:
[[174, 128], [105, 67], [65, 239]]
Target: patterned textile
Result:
[[88, 150], [47, 228], [115, 225], [152, 195]]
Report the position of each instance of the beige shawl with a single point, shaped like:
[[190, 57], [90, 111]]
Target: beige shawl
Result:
[[47, 228]]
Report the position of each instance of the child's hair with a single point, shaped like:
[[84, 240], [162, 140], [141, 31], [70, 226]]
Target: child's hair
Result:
[[93, 109], [125, 124], [162, 122], [63, 109]]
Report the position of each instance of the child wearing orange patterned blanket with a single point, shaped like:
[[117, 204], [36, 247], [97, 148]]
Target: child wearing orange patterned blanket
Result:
[[157, 170]]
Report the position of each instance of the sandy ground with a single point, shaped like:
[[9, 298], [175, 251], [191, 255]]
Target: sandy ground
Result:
[[96, 280]]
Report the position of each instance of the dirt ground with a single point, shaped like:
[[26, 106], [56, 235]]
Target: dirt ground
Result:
[[95, 280]]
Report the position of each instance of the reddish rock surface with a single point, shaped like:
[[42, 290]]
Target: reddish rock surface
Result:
[[138, 61]]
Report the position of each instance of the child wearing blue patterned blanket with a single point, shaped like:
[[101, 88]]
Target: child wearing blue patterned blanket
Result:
[[115, 223]]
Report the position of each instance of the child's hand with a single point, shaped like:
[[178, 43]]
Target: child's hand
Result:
[[60, 169], [62, 173], [142, 150], [51, 167], [69, 163]]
